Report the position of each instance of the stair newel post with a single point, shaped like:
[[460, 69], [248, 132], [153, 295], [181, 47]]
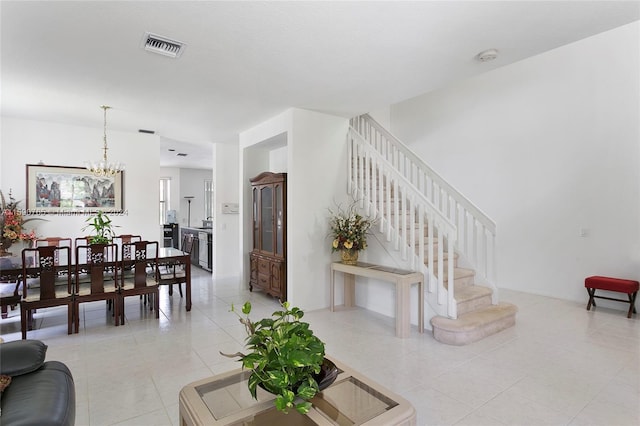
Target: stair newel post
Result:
[[421, 235], [441, 298], [374, 186], [396, 215], [387, 197], [412, 221], [367, 179], [430, 250], [451, 283], [350, 142]]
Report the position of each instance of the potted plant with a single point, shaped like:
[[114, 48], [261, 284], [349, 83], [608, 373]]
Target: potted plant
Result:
[[286, 358], [349, 230], [102, 228]]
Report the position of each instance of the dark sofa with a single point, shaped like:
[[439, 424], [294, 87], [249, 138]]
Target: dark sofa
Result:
[[40, 393]]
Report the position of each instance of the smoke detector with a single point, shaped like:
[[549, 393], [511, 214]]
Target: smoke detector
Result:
[[162, 45], [487, 55]]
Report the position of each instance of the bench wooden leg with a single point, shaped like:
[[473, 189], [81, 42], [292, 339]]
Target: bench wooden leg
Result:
[[632, 304], [592, 292]]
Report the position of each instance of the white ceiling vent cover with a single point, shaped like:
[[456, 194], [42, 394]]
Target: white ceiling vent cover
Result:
[[162, 45]]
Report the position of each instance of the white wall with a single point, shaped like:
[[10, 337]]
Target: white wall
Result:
[[316, 172], [226, 244], [546, 146], [29, 142]]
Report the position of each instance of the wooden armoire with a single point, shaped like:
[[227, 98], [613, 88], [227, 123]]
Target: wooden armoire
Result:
[[268, 258]]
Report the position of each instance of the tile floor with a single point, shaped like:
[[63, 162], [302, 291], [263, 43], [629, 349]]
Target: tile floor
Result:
[[560, 365]]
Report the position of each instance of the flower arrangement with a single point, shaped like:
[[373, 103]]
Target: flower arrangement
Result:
[[12, 224], [349, 229]]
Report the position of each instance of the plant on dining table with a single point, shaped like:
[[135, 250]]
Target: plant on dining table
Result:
[[102, 227]]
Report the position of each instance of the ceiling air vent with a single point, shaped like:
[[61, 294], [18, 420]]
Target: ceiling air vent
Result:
[[162, 45]]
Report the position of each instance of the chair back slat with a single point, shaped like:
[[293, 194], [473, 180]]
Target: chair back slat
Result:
[[142, 255], [42, 263], [101, 260], [187, 243]]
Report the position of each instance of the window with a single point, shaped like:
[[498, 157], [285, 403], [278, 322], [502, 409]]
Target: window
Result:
[[208, 199], [165, 200]]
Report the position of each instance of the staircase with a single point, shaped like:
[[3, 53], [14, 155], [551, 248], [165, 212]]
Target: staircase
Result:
[[428, 226]]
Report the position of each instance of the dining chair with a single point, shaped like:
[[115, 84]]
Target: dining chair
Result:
[[56, 242], [175, 273], [50, 283], [101, 269], [142, 281], [10, 294]]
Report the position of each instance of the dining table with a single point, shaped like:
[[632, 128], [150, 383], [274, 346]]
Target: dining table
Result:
[[11, 269]]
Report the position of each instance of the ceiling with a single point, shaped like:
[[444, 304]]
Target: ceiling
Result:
[[248, 61]]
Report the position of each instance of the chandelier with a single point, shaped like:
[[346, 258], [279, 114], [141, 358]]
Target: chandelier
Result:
[[104, 168]]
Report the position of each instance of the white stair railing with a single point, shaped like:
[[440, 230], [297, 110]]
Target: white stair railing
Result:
[[476, 232], [403, 213]]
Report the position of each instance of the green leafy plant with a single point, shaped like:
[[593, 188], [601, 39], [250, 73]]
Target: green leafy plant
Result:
[[102, 228], [285, 357]]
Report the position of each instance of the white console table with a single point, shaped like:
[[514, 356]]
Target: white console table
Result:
[[401, 278]]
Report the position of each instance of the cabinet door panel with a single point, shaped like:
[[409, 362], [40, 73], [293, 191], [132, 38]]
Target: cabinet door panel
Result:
[[276, 276], [256, 221], [266, 218], [279, 219]]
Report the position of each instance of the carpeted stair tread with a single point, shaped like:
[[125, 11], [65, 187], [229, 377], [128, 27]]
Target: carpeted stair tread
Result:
[[457, 273], [475, 325], [466, 293]]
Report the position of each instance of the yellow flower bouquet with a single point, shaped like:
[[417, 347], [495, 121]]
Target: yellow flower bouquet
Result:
[[349, 229]]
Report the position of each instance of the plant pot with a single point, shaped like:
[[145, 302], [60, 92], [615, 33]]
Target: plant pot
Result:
[[349, 257], [324, 379], [4, 247], [327, 375]]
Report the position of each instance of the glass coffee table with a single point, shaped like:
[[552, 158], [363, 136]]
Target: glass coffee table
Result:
[[352, 399]]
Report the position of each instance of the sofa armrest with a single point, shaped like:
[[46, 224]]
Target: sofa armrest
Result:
[[21, 357]]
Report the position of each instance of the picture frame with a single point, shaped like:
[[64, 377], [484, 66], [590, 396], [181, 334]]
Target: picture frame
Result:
[[70, 190]]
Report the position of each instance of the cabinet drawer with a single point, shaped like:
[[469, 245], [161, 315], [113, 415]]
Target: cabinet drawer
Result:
[[264, 281], [263, 266]]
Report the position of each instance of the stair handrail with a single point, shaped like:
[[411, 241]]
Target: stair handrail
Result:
[[447, 199], [439, 224], [482, 217]]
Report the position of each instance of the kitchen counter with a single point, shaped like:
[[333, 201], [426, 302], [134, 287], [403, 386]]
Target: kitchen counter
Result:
[[196, 230]]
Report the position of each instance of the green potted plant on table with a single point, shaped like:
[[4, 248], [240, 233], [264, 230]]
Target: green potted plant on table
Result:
[[102, 228], [286, 358]]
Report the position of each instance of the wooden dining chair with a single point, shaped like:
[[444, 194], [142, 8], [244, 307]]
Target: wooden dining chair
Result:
[[50, 283], [56, 242], [101, 269], [142, 281], [175, 273]]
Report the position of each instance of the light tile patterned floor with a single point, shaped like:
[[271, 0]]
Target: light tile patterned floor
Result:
[[560, 365]]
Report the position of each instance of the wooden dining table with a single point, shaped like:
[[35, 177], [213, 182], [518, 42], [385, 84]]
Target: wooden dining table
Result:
[[11, 268]]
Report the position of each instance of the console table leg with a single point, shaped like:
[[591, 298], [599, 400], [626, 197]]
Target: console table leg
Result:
[[349, 290]]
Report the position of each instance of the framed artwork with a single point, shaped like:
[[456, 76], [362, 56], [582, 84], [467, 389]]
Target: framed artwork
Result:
[[59, 189]]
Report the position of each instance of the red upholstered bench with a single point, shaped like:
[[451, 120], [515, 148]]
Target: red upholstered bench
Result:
[[612, 284]]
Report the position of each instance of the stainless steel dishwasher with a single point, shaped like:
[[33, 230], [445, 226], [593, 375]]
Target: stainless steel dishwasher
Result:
[[203, 249]]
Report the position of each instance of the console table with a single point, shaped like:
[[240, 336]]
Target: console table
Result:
[[353, 399], [401, 278]]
